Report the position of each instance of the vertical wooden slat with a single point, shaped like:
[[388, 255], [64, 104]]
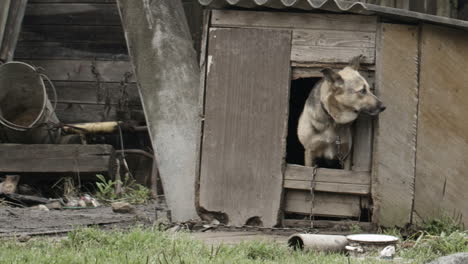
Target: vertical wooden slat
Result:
[[403, 4], [12, 29], [246, 108], [394, 156], [444, 8], [441, 167], [362, 144], [4, 7]]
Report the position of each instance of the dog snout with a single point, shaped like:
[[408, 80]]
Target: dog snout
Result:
[[382, 108]]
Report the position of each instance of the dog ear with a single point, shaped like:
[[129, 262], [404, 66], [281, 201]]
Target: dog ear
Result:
[[355, 62], [332, 77]]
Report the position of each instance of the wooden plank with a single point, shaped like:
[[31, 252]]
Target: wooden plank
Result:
[[86, 113], [331, 54], [82, 70], [325, 204], [302, 173], [403, 4], [238, 177], [12, 29], [330, 46], [444, 8], [301, 71], [18, 151], [92, 93], [71, 33], [424, 6], [66, 51], [333, 187], [55, 158], [395, 135], [333, 38], [229, 18], [362, 144], [72, 14], [441, 182]]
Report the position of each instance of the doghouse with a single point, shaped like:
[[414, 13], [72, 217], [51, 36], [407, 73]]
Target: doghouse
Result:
[[261, 58]]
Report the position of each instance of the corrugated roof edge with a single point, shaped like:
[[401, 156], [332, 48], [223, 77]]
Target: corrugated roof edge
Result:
[[340, 7]]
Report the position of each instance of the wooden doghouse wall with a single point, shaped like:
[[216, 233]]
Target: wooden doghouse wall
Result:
[[81, 46], [441, 185], [421, 139], [240, 164]]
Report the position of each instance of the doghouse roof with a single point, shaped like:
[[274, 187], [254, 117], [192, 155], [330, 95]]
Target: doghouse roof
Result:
[[339, 7]]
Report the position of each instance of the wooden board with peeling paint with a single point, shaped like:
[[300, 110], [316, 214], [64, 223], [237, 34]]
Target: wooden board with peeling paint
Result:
[[441, 180], [246, 111]]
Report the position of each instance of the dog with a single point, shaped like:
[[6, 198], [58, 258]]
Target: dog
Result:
[[333, 104]]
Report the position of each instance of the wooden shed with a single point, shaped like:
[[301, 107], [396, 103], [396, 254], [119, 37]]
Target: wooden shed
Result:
[[260, 59]]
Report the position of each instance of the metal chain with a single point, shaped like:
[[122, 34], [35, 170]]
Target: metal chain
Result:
[[312, 196]]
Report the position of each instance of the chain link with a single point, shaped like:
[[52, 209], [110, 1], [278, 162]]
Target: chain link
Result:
[[312, 196]]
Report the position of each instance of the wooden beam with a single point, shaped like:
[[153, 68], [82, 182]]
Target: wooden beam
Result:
[[4, 8], [229, 18], [165, 64], [12, 29], [43, 158]]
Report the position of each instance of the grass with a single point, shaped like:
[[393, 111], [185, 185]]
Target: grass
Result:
[[151, 245], [132, 192]]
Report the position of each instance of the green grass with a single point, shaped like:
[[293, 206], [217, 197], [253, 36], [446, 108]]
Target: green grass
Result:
[[150, 245], [132, 192]]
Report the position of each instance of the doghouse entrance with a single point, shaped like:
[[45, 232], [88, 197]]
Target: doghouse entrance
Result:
[[300, 90], [340, 191]]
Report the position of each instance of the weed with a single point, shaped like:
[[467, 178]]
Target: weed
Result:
[[131, 191], [355, 229], [443, 224]]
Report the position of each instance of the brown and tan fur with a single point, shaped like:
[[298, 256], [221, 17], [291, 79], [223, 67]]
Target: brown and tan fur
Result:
[[333, 104]]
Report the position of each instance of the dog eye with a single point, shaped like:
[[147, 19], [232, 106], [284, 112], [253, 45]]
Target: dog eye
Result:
[[363, 91]]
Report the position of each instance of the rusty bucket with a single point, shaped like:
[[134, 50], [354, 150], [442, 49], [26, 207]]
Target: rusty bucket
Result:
[[25, 110]]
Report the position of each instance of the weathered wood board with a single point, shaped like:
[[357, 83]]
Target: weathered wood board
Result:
[[247, 90], [229, 18], [12, 28], [4, 8], [327, 180], [362, 144], [441, 167], [82, 70], [44, 158], [318, 38], [325, 204], [72, 14], [165, 64], [395, 135]]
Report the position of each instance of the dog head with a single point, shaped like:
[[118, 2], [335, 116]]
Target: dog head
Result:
[[347, 94]]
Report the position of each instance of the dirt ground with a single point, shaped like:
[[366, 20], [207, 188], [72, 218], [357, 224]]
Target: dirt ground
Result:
[[28, 221]]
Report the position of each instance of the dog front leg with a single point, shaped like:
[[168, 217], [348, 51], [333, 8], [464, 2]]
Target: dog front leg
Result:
[[309, 158]]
